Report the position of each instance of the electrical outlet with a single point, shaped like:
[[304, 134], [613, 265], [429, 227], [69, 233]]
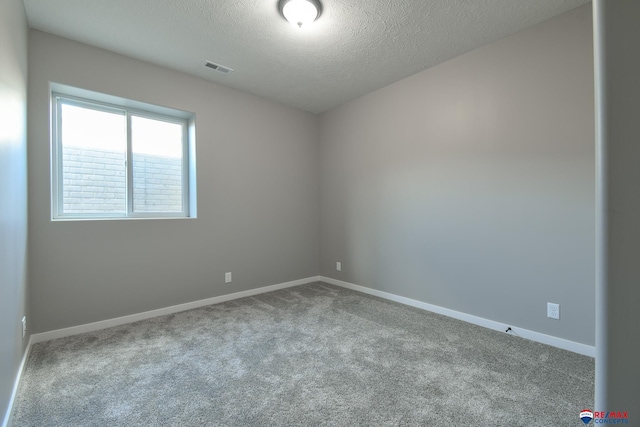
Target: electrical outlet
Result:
[[227, 277], [24, 326], [553, 310], [339, 266]]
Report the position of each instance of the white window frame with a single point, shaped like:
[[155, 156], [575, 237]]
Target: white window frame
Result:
[[127, 108]]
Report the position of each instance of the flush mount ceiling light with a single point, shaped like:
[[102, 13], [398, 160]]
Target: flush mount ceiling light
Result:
[[300, 12]]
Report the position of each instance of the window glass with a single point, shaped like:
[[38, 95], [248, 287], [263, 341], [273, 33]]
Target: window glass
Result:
[[156, 152], [94, 149]]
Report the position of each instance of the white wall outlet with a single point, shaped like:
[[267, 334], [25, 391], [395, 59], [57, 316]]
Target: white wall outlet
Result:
[[553, 310], [339, 266], [24, 326], [227, 277]]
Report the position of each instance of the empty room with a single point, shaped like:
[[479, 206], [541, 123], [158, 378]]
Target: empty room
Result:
[[319, 212]]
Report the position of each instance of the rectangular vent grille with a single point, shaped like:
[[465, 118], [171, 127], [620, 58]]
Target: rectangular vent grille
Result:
[[219, 68]]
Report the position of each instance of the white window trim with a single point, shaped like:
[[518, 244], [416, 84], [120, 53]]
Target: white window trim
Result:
[[60, 94]]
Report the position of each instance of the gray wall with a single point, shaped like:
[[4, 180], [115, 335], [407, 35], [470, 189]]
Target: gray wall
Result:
[[257, 197], [616, 37], [13, 192], [471, 184]]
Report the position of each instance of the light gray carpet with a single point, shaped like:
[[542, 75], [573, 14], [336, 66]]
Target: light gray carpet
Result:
[[310, 355]]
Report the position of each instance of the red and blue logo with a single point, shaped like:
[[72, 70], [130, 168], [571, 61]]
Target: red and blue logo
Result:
[[612, 417], [586, 416]]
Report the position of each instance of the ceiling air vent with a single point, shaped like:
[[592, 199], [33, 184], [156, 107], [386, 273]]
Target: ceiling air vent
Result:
[[219, 68]]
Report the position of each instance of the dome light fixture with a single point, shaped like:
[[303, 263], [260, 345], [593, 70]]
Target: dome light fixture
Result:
[[300, 12]]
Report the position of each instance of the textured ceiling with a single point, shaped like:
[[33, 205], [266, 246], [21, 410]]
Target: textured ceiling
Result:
[[355, 47]]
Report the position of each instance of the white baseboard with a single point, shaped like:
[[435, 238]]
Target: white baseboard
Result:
[[89, 327], [16, 384], [480, 321], [562, 343]]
